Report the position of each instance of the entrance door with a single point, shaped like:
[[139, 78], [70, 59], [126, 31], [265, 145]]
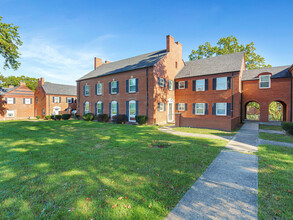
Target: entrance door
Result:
[[132, 111], [170, 112], [56, 110]]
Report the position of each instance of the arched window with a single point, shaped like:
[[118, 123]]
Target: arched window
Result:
[[86, 108]]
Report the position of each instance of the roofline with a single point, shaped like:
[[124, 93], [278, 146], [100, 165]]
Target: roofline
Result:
[[236, 71], [10, 90], [57, 84], [79, 80], [270, 67], [58, 94], [291, 68], [271, 78]]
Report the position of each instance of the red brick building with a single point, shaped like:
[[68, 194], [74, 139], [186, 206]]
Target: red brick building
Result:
[[207, 93], [141, 85], [54, 99], [16, 102]]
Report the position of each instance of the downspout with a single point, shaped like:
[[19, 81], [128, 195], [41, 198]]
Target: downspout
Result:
[[291, 99], [147, 93], [232, 108]]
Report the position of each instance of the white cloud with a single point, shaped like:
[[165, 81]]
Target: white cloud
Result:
[[59, 63]]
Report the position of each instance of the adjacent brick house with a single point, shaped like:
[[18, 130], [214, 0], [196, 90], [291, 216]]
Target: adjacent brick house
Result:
[[16, 102], [141, 85], [52, 98], [208, 92]]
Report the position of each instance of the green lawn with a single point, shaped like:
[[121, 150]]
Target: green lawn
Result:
[[270, 127], [276, 137], [275, 180], [206, 131], [78, 169]]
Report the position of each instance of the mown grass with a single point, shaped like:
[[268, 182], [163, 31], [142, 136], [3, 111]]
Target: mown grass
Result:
[[270, 127], [275, 180], [78, 170], [276, 137], [207, 131]]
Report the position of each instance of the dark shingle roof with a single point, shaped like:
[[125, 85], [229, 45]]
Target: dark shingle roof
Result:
[[138, 62], [4, 90], [59, 89], [277, 72], [212, 65]]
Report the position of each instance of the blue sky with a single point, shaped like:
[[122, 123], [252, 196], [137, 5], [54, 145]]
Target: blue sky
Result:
[[61, 38]]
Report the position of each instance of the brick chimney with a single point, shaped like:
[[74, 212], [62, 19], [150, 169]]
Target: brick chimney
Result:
[[11, 86], [98, 62], [41, 81], [107, 61], [170, 43], [22, 83]]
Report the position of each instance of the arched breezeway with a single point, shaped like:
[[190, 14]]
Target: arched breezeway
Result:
[[252, 111], [277, 111]]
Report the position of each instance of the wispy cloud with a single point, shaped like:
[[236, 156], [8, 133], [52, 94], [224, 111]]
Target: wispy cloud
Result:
[[60, 63]]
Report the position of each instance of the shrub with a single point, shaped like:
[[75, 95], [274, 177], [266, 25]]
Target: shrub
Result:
[[288, 127], [77, 117], [53, 117], [141, 119], [66, 116], [48, 117], [38, 117], [119, 119], [58, 117], [102, 117], [88, 117]]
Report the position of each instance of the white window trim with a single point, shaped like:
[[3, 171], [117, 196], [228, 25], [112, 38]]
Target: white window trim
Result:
[[86, 86], [171, 84], [261, 81], [85, 112], [161, 82], [161, 107], [56, 98], [10, 116], [131, 102], [101, 88], [204, 108], [226, 83], [134, 85], [25, 101], [180, 108], [99, 102], [113, 87], [203, 85], [113, 102], [8, 102], [225, 109], [179, 85], [68, 98]]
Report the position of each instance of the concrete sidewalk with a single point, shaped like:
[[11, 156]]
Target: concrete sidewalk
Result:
[[228, 188]]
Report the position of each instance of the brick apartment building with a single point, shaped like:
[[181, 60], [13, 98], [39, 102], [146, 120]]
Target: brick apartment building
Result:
[[51, 98], [207, 93], [141, 85], [16, 102]]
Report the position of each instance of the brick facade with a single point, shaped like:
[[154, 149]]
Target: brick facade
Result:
[[19, 108]]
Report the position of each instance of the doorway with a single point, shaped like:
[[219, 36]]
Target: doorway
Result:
[[170, 116]]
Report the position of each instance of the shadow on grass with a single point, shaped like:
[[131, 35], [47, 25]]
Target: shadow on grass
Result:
[[77, 169]]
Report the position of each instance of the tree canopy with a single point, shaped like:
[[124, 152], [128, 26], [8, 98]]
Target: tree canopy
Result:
[[9, 43], [230, 45], [30, 82]]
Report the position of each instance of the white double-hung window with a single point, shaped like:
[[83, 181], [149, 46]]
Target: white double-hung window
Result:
[[86, 90], [132, 85], [10, 113], [265, 81], [10, 101], [113, 87], [27, 101], [160, 106], [181, 106], [182, 85], [99, 107], [200, 108], [99, 88], [222, 83], [221, 108], [200, 85]]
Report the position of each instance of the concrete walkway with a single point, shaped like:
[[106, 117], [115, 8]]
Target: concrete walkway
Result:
[[169, 129], [228, 188]]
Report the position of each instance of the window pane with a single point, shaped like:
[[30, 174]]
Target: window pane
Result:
[[200, 84], [132, 108], [222, 83], [182, 85], [132, 85], [9, 100], [221, 108], [114, 108], [99, 88]]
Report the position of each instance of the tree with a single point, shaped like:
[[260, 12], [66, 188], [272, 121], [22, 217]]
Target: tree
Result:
[[230, 45], [30, 82], [9, 43]]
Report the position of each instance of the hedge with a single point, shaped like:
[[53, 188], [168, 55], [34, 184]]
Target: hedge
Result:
[[288, 127], [88, 117], [48, 117], [102, 117], [141, 119], [119, 119], [66, 116]]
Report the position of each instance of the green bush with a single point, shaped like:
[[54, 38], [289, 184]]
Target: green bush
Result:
[[288, 127], [47, 117], [58, 117], [88, 117], [66, 116], [38, 117], [77, 117], [141, 119], [119, 119], [102, 118], [53, 117]]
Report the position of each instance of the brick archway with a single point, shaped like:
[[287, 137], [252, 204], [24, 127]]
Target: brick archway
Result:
[[252, 110], [277, 111]]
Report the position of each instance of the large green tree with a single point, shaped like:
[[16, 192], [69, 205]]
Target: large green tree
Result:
[[230, 45], [30, 82], [9, 43]]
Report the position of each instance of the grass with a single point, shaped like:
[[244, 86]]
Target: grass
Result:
[[79, 170], [276, 137], [207, 131], [270, 127], [275, 179]]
